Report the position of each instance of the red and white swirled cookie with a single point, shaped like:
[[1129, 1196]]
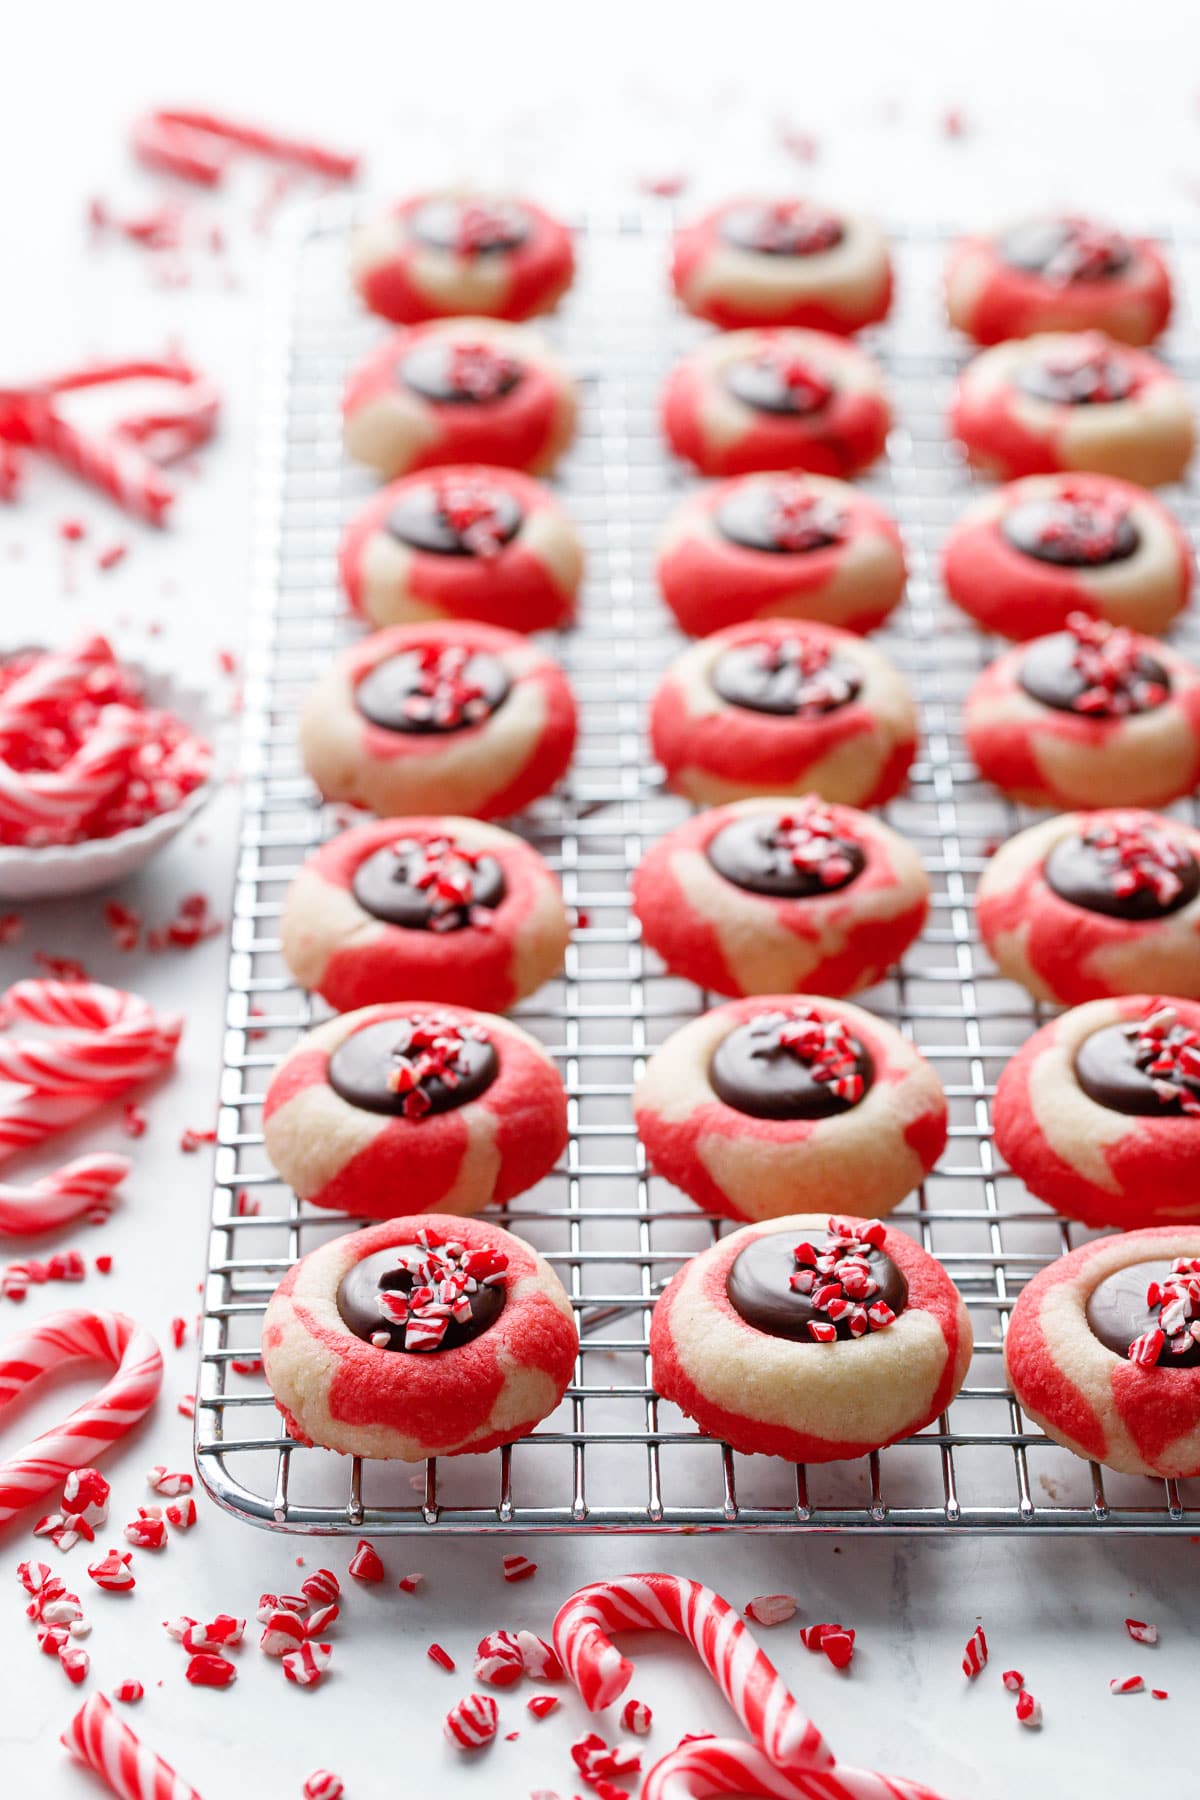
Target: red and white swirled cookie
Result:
[[776, 399], [1023, 558], [753, 261], [765, 1104], [776, 707], [1058, 273], [1103, 1352], [780, 546], [1091, 904], [1099, 1112], [765, 897], [459, 391], [416, 1338], [403, 1108], [439, 254], [812, 1338], [424, 909], [1073, 400], [466, 542], [439, 718], [1091, 711]]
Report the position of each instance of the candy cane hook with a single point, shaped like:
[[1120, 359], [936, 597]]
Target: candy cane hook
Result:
[[746, 1677], [707, 1766], [81, 1187]]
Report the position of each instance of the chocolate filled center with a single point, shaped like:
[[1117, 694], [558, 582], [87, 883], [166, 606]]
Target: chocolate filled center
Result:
[[786, 857], [445, 518], [419, 691], [1072, 677], [380, 1287], [774, 382], [470, 227], [408, 1068], [427, 886], [458, 374], [789, 680], [786, 1066], [1125, 1072], [1097, 378], [1072, 534], [787, 228], [760, 1289], [1119, 1313], [1066, 250], [1142, 876], [779, 517]]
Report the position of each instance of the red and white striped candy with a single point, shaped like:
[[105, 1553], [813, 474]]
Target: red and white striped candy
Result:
[[519, 1568], [284, 1631], [1126, 1684], [168, 1482], [321, 1621], [472, 1722], [113, 1573], [129, 1768], [75, 1663], [129, 1691], [56, 675], [1140, 1632], [537, 1657], [321, 1587], [1029, 1710], [670, 1603], [1013, 1680], [56, 1342], [499, 1659], [86, 1494], [637, 1717], [148, 1531], [181, 1516], [308, 1664], [976, 1654], [206, 1669], [441, 1657], [770, 1609], [365, 1564], [36, 1577], [542, 1704], [322, 1785], [198, 146], [30, 798], [80, 1189], [705, 1766]]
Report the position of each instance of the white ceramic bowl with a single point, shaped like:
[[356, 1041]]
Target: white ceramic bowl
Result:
[[60, 870]]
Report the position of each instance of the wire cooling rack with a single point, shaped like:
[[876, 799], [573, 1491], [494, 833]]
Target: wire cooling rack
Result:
[[614, 1456]]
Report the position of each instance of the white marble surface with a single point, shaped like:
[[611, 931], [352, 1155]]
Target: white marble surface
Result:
[[578, 103]]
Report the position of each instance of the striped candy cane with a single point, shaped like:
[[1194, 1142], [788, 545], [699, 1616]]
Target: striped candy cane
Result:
[[97, 1737], [75, 1335], [746, 1677], [198, 146], [725, 1766], [110, 1040], [33, 797], [80, 1188], [58, 675]]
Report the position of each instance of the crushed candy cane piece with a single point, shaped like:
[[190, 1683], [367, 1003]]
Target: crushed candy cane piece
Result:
[[129, 1691], [408, 1584], [976, 1654], [148, 1531], [1140, 1632], [321, 1587], [770, 1609], [1126, 1684], [833, 1641], [181, 1515], [498, 1659], [320, 1621], [284, 1631], [86, 1494], [1013, 1680], [206, 1669], [519, 1568], [538, 1658], [366, 1564], [168, 1482], [308, 1665], [542, 1704], [1029, 1710], [323, 1785], [75, 1664], [113, 1572], [637, 1717], [472, 1722], [441, 1657]]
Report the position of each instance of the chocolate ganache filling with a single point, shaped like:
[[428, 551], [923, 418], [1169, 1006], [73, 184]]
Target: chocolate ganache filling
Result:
[[1097, 670], [795, 678], [844, 1286], [1066, 250], [1150, 1312], [1149, 1067], [423, 1297], [434, 689], [458, 374], [448, 516], [778, 380], [791, 1064], [470, 227], [1072, 531], [795, 854], [415, 1066], [781, 228], [1127, 868], [430, 884], [780, 517]]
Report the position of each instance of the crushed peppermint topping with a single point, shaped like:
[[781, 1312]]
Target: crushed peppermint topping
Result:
[[1168, 1051], [485, 227], [838, 1282], [443, 1278], [1139, 857], [812, 840], [795, 228], [1086, 524], [1177, 1303], [827, 1048], [480, 371], [444, 871], [808, 387], [1113, 667], [1091, 369], [1087, 252], [820, 686], [799, 519], [471, 508], [432, 1048], [444, 695]]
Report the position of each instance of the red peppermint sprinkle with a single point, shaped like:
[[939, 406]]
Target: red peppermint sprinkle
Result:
[[770, 1609], [811, 838], [1139, 857], [129, 1691], [1029, 1710], [1117, 675], [148, 1531], [321, 1587], [473, 511], [519, 1568], [1091, 370], [976, 1654], [1126, 1684], [444, 695], [282, 1631], [538, 1658], [308, 1665], [408, 1584], [637, 1717], [1169, 1053], [795, 228], [113, 1572], [365, 1564], [75, 1663], [806, 385], [322, 1785], [1086, 523], [499, 1660], [472, 1722], [206, 1669], [487, 226], [540, 1705], [181, 1515], [441, 1657], [480, 371], [169, 1482], [819, 685], [1140, 1632], [1013, 1680]]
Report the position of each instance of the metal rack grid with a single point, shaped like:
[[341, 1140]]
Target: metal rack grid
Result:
[[615, 1457]]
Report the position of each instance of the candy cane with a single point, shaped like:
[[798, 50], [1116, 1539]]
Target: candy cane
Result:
[[746, 1677], [58, 675], [709, 1766], [198, 146], [66, 1337], [79, 1188], [110, 1040], [101, 1740], [34, 797]]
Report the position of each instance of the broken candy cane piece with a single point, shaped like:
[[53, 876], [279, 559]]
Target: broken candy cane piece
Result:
[[976, 1654], [1126, 1684], [1029, 1710], [542, 1704], [308, 1665], [284, 1632], [86, 1494], [113, 1573], [102, 1741], [472, 1722], [637, 1717], [321, 1587], [365, 1564], [181, 1514], [322, 1785], [206, 1669], [129, 1691], [537, 1658], [1140, 1632], [168, 1482], [519, 1568], [770, 1609], [1013, 1680], [499, 1659]]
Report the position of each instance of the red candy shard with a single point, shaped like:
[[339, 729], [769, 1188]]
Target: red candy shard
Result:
[[1029, 1710], [538, 1659], [637, 1717], [542, 1704], [283, 1631], [308, 1665], [113, 1573], [1140, 1632], [441, 1657], [366, 1564], [472, 1722], [181, 1515], [129, 1691], [323, 1785], [519, 1568], [209, 1670], [321, 1587], [1126, 1684], [976, 1654], [1013, 1680], [499, 1659]]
